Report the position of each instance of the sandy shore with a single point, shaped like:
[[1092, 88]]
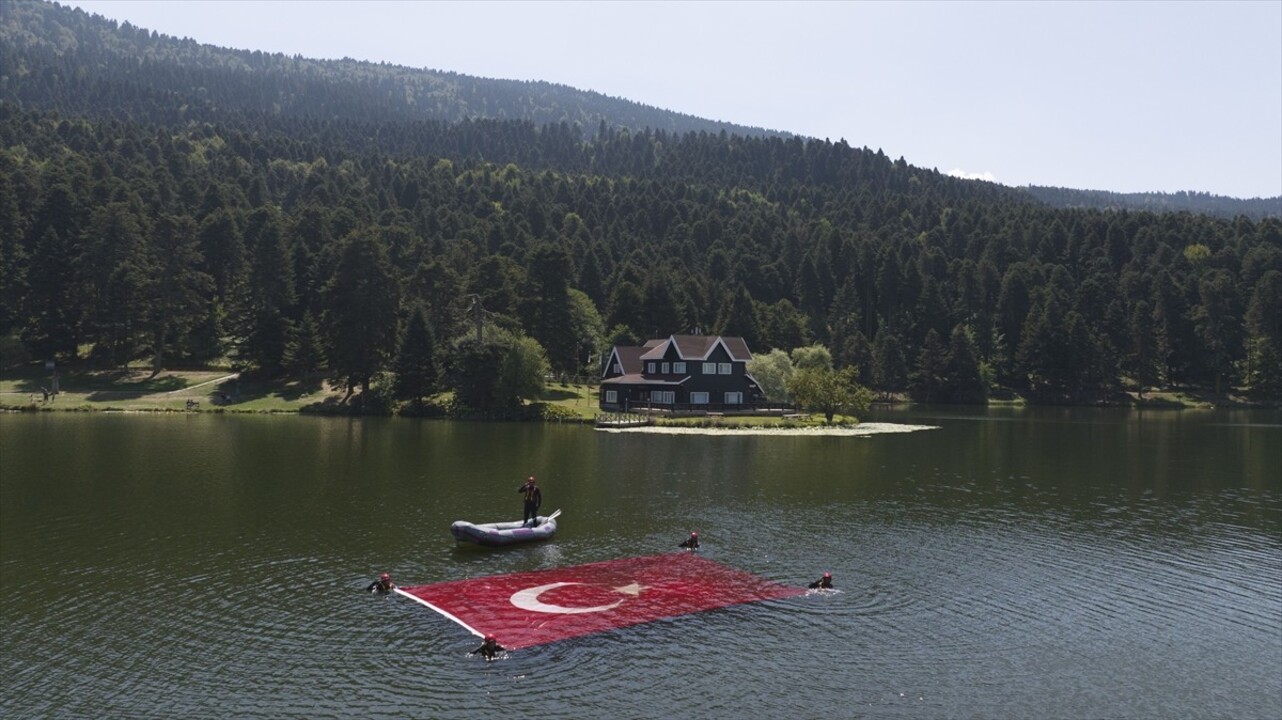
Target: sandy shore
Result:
[[861, 429]]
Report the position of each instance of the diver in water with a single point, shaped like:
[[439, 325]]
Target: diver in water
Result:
[[489, 648], [383, 585], [823, 583], [691, 543]]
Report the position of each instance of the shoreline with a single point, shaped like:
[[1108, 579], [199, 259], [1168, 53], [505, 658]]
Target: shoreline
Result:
[[862, 429]]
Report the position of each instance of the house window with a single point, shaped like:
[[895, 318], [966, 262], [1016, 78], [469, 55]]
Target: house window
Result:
[[709, 368], [723, 369], [618, 369], [734, 398], [649, 367], [612, 396], [679, 368], [698, 398], [666, 368], [663, 397]]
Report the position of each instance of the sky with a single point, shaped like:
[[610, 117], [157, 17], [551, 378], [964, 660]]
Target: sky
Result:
[[1123, 96]]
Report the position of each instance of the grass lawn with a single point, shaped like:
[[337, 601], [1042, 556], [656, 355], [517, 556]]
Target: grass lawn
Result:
[[578, 402], [135, 389], [214, 390]]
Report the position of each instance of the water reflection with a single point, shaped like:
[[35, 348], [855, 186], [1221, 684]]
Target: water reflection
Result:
[[1013, 563]]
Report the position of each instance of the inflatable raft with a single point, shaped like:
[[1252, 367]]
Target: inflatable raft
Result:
[[505, 533]]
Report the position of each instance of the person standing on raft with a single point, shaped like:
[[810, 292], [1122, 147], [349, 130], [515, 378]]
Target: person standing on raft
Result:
[[533, 499]]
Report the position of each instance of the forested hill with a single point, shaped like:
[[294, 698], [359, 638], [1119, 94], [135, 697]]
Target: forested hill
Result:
[[65, 59], [296, 243], [1195, 202]]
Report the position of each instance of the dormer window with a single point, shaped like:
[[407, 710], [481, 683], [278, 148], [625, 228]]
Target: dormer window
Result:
[[679, 368], [666, 368], [649, 367]]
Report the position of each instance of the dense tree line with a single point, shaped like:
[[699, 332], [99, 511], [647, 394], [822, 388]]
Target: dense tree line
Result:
[[185, 244], [1195, 202]]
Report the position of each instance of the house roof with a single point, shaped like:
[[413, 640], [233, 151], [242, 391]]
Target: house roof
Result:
[[629, 356], [697, 347]]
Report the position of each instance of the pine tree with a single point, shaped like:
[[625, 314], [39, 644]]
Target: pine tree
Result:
[[51, 307], [1142, 357], [546, 306], [962, 380], [927, 383], [738, 317], [660, 311], [1264, 329], [889, 366], [122, 283], [180, 286], [267, 309], [361, 302], [305, 351], [222, 251], [1216, 321], [416, 368], [13, 261]]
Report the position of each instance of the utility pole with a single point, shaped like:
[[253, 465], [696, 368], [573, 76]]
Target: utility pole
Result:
[[478, 316]]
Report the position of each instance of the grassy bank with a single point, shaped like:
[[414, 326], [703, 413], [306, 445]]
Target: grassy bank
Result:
[[136, 389]]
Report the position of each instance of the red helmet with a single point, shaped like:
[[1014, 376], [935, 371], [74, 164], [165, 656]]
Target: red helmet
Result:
[[828, 575], [384, 576], [490, 638], [530, 479]]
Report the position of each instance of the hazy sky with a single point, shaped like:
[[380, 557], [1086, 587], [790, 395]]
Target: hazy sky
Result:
[[1125, 96]]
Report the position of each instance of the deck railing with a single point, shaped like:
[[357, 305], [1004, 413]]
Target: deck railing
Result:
[[701, 409]]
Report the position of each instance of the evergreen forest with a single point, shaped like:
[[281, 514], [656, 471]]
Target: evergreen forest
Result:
[[169, 202]]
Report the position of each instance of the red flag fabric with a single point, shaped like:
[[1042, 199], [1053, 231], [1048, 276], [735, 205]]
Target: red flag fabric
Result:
[[543, 606]]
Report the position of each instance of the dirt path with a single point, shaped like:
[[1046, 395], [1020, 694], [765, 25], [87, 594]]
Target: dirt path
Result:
[[200, 385]]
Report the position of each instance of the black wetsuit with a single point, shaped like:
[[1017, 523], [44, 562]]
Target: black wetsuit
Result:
[[691, 544], [821, 584], [377, 587], [488, 651], [533, 499]]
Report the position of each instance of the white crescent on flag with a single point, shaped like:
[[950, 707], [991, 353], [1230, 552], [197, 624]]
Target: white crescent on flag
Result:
[[528, 599]]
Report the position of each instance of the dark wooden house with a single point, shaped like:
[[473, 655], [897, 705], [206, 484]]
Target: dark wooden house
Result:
[[681, 373]]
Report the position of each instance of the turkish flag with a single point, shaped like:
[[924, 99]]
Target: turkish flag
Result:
[[543, 606]]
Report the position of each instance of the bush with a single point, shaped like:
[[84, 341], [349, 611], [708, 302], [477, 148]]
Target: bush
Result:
[[558, 413]]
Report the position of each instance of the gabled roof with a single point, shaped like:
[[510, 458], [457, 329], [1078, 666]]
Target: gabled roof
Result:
[[629, 357], [698, 347]]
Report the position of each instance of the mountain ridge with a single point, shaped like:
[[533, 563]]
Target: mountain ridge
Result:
[[206, 81], [206, 74]]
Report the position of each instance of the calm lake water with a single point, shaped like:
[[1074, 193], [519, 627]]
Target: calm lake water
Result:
[[1048, 563]]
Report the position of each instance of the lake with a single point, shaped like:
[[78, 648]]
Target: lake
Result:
[[1009, 563]]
